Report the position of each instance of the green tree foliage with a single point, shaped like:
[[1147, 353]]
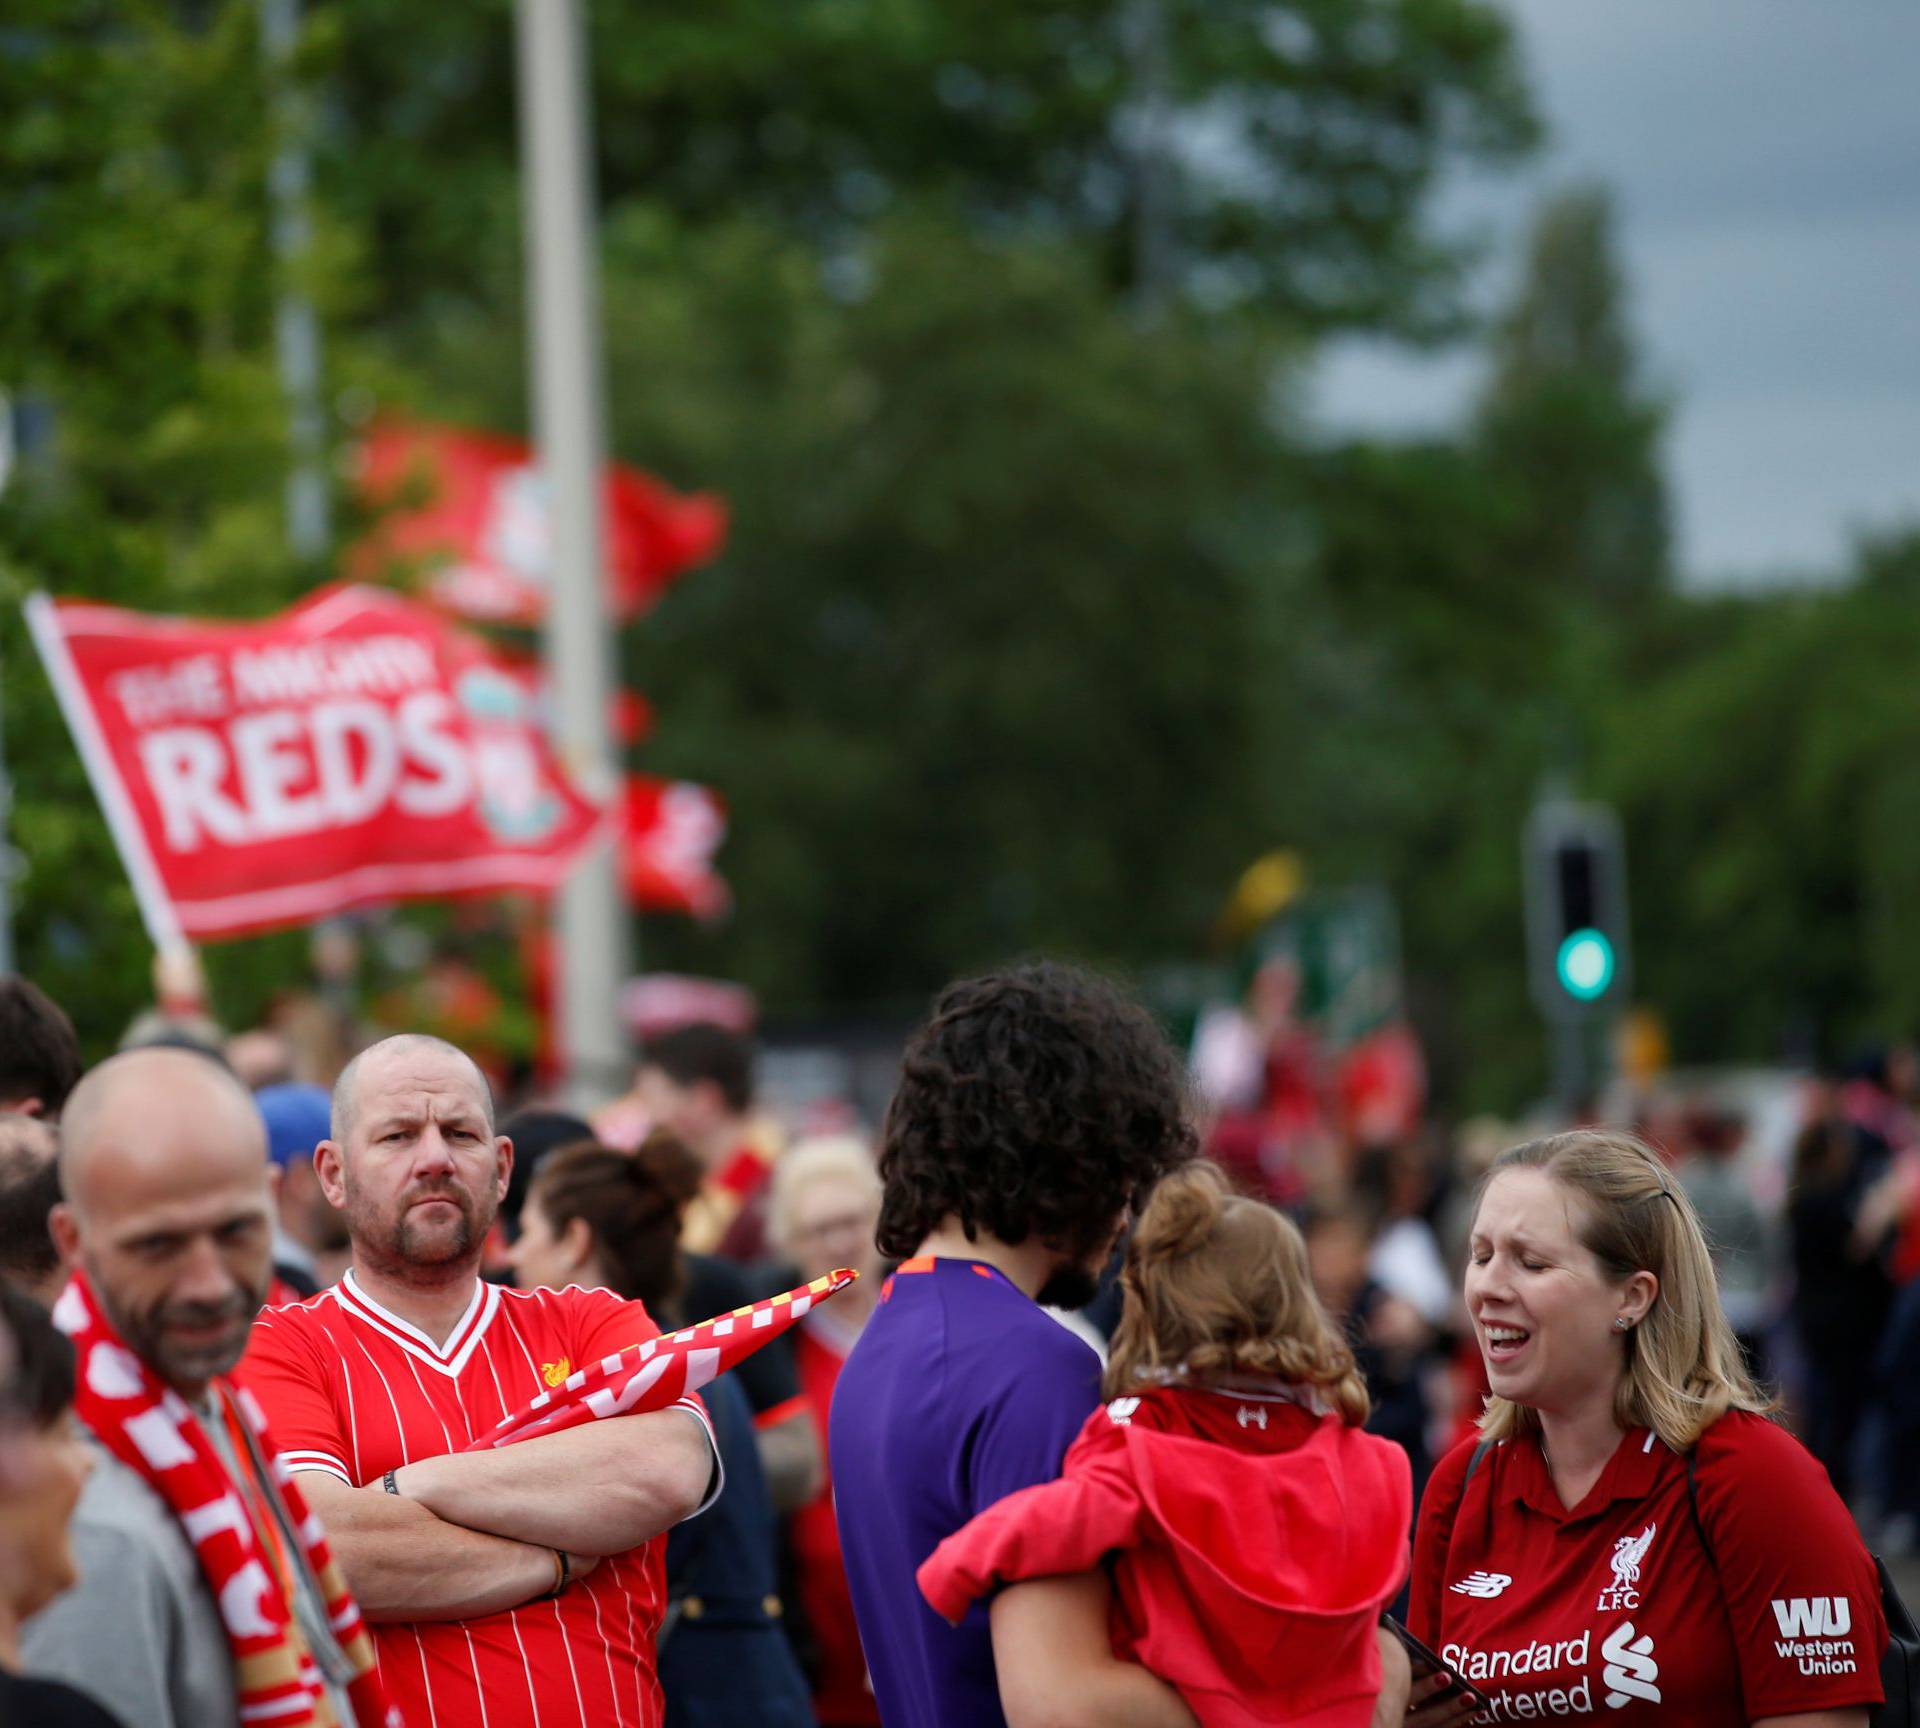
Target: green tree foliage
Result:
[[1304, 136], [981, 666], [1566, 417], [1495, 579], [1503, 606], [136, 299], [988, 621], [1038, 619], [1764, 758], [136, 304], [1509, 593], [984, 664]]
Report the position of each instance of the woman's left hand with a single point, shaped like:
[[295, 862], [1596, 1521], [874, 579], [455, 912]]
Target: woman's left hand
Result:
[[1435, 1702]]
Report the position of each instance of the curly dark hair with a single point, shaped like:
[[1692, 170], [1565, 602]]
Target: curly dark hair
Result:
[[1038, 1101]]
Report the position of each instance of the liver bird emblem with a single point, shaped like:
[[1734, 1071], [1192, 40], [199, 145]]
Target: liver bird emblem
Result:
[[1628, 1552]]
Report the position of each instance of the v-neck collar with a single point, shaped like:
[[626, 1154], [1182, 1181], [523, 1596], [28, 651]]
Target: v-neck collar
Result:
[[448, 1358], [1629, 1474]]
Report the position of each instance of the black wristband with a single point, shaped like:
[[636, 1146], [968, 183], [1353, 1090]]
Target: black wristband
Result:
[[387, 1482], [563, 1574]]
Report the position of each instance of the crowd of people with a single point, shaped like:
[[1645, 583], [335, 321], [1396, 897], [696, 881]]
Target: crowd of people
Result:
[[1136, 1414]]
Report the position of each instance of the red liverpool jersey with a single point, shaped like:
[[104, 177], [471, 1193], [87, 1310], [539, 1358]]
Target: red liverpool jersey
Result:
[[356, 1391], [1617, 1610]]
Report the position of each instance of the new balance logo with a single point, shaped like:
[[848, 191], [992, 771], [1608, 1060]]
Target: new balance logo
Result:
[[1482, 1584], [1631, 1670], [1814, 1617]]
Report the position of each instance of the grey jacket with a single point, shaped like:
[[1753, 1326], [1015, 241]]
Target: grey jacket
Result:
[[141, 1631]]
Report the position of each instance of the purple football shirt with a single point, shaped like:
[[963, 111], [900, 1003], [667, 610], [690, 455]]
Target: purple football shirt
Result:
[[960, 1391]]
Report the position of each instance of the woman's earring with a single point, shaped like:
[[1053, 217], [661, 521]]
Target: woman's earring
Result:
[[1623, 1324]]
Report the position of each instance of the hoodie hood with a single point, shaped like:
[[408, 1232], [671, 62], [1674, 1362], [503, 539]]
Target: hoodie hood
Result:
[[1320, 1530]]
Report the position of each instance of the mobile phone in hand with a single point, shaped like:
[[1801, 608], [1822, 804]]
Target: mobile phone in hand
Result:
[[1426, 1661]]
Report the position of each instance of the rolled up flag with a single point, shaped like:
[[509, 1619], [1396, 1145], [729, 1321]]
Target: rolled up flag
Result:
[[652, 1375]]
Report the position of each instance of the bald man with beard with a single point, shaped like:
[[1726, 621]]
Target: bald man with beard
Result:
[[522, 1586], [166, 1213]]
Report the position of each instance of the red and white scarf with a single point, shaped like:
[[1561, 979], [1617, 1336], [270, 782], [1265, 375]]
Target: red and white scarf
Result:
[[149, 1428], [652, 1375]]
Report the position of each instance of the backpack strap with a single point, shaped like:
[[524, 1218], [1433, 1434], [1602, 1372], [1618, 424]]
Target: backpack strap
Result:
[[1693, 1506], [1473, 1464]]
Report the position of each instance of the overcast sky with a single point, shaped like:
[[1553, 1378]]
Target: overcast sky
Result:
[[1765, 158]]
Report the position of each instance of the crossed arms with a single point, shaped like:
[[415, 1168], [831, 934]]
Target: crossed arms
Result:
[[474, 1532]]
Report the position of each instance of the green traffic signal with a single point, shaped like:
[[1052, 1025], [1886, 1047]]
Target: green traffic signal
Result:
[[1585, 965]]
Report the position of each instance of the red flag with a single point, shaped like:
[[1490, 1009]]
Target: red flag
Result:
[[653, 1375], [482, 525], [673, 828], [354, 750]]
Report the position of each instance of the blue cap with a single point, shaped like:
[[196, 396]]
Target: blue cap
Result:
[[298, 1119]]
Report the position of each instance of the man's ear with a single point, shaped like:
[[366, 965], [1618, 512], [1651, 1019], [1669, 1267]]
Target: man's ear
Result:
[[65, 1232], [503, 1153], [329, 1164]]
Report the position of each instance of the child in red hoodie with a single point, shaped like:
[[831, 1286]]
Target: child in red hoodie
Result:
[[1257, 1531]]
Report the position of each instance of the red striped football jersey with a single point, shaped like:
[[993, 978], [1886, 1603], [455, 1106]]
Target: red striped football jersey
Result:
[[350, 1388]]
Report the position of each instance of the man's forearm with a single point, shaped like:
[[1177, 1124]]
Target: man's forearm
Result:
[[600, 1488], [1396, 1679], [404, 1563], [1124, 1695], [1056, 1666]]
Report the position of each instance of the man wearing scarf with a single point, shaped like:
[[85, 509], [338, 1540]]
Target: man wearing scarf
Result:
[[207, 1596]]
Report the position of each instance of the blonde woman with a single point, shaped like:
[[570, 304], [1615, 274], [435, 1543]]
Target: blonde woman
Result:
[[1632, 1538]]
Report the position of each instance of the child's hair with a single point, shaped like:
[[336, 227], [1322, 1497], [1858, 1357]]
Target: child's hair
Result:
[[1216, 1285]]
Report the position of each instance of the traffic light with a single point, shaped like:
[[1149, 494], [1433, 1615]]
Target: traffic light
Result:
[[1576, 908]]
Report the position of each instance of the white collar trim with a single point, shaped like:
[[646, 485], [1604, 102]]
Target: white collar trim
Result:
[[449, 1358]]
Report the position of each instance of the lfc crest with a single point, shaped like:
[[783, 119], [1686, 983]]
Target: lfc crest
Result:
[[1628, 1553]]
